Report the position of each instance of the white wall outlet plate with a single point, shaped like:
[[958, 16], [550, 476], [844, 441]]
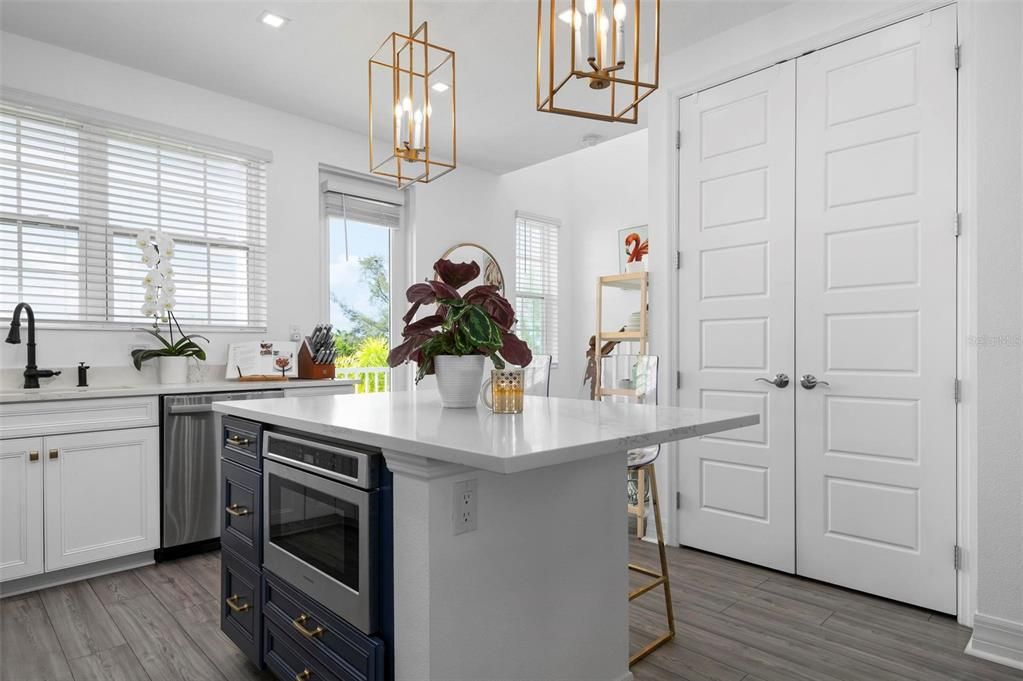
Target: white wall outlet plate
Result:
[[296, 333], [464, 506]]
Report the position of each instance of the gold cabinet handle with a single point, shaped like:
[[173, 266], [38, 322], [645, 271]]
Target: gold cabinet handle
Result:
[[232, 602], [299, 624], [236, 510], [54, 453], [303, 675], [33, 456], [239, 441]]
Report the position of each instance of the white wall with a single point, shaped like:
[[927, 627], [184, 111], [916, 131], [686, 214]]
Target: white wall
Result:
[[594, 192], [457, 208]]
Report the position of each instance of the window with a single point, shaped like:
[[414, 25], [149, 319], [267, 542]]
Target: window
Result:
[[360, 232], [74, 196], [536, 281]]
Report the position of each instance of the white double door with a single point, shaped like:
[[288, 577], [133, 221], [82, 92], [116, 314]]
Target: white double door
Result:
[[817, 205]]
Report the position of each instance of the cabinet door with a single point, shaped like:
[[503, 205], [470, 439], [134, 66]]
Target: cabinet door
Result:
[[102, 495], [21, 508]]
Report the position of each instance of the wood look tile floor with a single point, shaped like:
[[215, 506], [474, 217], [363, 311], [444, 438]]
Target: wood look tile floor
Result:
[[736, 622]]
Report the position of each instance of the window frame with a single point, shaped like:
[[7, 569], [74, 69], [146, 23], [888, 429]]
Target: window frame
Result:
[[97, 236], [551, 301]]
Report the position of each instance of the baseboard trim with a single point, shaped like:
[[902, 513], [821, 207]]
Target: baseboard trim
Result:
[[997, 639], [16, 587]]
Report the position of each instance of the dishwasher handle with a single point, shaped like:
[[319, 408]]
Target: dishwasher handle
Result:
[[190, 408]]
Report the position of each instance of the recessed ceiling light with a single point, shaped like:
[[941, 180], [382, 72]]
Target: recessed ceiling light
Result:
[[441, 87], [273, 20]]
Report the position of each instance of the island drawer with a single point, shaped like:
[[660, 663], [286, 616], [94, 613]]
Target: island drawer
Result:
[[240, 607], [241, 524], [339, 645], [289, 660], [242, 442]]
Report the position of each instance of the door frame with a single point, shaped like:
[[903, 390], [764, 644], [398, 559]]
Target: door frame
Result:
[[664, 162]]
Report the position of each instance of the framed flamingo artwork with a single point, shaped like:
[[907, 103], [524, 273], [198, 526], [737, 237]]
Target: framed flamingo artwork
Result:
[[633, 249]]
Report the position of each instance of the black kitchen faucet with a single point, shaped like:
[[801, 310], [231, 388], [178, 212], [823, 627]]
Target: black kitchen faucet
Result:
[[32, 372]]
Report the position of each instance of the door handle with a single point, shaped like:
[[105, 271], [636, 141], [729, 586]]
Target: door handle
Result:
[[299, 624], [33, 456], [779, 380], [303, 675], [809, 381], [236, 510], [54, 453], [238, 441], [232, 602]]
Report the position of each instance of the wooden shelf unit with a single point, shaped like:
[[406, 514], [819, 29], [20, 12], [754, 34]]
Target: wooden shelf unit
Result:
[[630, 281]]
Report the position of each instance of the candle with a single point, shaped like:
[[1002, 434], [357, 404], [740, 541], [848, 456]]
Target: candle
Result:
[[406, 121], [620, 32], [417, 130], [590, 30], [398, 120]]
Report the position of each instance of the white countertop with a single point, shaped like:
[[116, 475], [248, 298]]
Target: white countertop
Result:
[[550, 431], [70, 392]]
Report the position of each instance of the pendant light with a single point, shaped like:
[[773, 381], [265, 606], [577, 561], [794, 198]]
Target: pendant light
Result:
[[597, 59], [412, 107]]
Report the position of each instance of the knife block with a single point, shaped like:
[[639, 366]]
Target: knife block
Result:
[[307, 368]]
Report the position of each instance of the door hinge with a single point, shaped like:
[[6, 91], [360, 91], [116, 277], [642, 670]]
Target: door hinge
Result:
[[958, 56], [678, 499], [678, 260], [678, 138], [957, 557], [957, 227], [958, 391], [678, 380]]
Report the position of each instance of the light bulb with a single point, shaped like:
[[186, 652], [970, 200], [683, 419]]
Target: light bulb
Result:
[[590, 6], [604, 24], [407, 104], [620, 11], [418, 116], [397, 110]]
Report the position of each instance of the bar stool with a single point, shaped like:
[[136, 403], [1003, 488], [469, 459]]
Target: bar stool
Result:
[[538, 376], [633, 378]]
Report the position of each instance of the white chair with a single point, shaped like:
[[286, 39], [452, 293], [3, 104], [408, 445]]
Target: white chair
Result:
[[633, 378]]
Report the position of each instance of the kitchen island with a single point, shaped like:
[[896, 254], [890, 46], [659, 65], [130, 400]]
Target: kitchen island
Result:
[[536, 588]]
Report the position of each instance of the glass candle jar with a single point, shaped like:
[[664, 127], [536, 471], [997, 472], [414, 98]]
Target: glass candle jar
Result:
[[504, 390]]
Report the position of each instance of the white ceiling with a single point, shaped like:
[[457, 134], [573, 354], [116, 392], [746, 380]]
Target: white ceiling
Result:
[[316, 65]]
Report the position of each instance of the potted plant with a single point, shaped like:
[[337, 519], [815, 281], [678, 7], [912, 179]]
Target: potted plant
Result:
[[452, 342], [157, 251]]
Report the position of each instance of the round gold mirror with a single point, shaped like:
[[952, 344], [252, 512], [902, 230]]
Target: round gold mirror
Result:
[[490, 271]]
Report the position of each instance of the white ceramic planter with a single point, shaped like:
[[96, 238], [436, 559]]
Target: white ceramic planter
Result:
[[173, 369], [459, 379]]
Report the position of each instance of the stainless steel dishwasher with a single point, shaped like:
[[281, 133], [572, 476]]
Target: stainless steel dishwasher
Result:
[[190, 488]]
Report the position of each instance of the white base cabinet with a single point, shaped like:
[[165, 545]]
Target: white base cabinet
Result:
[[102, 495], [67, 499], [21, 507]]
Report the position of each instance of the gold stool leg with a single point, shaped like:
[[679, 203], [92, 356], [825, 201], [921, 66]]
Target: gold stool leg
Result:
[[662, 579]]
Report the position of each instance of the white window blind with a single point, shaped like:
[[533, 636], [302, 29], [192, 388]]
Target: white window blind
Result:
[[357, 209], [536, 281], [74, 195]]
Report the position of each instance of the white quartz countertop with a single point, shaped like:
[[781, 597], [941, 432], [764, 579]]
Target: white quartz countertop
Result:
[[550, 431], [70, 392]]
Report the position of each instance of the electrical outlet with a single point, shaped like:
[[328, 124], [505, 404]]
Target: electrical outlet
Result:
[[464, 516], [296, 333]]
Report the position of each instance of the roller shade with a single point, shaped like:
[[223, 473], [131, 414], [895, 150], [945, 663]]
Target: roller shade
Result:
[[74, 196], [357, 209]]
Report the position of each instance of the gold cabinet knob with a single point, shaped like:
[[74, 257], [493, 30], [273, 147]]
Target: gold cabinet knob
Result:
[[236, 510], [299, 624], [303, 675], [232, 602], [54, 453], [33, 456]]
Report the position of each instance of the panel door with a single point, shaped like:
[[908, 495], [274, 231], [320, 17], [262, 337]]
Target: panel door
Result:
[[102, 495], [21, 508], [736, 314], [875, 312]]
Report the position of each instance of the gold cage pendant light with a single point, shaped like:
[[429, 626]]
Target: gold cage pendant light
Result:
[[597, 59], [412, 131]]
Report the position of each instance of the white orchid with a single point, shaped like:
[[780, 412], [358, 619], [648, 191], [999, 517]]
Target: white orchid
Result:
[[157, 250], [151, 294], [148, 309], [166, 302], [150, 256], [164, 242], [144, 239], [165, 267], [151, 279]]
